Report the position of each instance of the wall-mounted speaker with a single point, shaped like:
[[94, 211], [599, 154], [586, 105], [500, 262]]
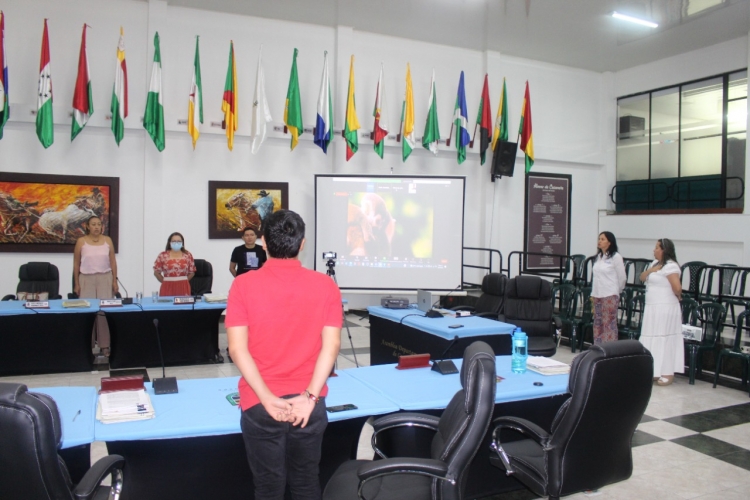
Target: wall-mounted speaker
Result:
[[504, 159]]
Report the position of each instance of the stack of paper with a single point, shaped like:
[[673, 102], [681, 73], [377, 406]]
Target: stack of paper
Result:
[[124, 406], [546, 366], [215, 297], [76, 303]]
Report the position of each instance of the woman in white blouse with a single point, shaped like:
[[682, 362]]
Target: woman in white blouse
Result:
[[609, 281]]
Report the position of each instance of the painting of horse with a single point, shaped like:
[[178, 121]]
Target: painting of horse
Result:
[[233, 206], [48, 213]]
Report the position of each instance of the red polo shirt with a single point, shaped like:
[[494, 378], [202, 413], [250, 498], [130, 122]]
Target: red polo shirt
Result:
[[285, 308]]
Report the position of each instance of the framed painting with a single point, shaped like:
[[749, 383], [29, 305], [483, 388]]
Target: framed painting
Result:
[[48, 213], [233, 206]]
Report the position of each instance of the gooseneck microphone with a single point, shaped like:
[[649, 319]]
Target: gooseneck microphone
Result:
[[443, 366], [164, 385], [126, 299]]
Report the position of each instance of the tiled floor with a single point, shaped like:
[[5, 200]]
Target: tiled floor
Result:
[[693, 442]]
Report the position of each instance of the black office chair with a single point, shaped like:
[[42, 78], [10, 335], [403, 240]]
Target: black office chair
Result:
[[528, 305], [31, 467], [458, 435], [492, 300], [203, 279], [589, 443], [37, 277]]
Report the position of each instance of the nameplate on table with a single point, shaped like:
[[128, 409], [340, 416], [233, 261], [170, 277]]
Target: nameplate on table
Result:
[[110, 303], [39, 304], [184, 300]]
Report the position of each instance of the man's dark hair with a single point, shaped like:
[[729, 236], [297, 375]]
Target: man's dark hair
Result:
[[283, 231], [253, 229]]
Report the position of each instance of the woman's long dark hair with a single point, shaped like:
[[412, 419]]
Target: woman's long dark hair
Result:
[[612, 244], [668, 251], [169, 240]]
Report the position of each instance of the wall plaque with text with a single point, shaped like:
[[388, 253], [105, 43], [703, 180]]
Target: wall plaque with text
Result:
[[547, 213]]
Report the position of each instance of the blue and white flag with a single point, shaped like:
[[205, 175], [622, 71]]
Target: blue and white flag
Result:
[[324, 120], [461, 121]]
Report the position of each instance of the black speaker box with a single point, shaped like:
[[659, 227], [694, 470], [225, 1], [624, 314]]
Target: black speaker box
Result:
[[504, 159]]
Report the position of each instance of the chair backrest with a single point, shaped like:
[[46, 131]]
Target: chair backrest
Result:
[[37, 277], [693, 268], [587, 272], [591, 434], [710, 317], [528, 305], [633, 270], [31, 436], [203, 279], [563, 301], [742, 319], [493, 293], [688, 306], [465, 421]]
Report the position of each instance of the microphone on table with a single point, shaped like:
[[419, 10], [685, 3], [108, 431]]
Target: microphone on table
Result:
[[445, 366], [164, 385], [126, 300]]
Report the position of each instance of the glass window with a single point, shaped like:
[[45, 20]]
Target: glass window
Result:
[[736, 137], [632, 138], [665, 119], [701, 130]]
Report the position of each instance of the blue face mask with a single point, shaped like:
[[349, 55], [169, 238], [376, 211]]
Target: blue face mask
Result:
[[176, 246]]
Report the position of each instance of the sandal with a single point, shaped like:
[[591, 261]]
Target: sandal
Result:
[[105, 351], [665, 381]]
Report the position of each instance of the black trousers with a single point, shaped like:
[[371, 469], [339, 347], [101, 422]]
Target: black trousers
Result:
[[279, 453]]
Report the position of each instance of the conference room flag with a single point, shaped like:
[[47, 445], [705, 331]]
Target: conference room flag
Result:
[[461, 121], [261, 111], [153, 117], [408, 141], [4, 102], [195, 99], [501, 121], [83, 100], [380, 128], [352, 122], [431, 135], [229, 101], [293, 105], [524, 130], [324, 117], [484, 120], [45, 128], [119, 105]]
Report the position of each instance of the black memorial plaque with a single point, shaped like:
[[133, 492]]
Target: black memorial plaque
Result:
[[547, 231]]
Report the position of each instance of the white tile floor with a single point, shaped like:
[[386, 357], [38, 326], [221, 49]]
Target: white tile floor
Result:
[[663, 469]]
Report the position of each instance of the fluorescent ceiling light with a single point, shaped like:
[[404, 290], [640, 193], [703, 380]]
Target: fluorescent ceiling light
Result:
[[635, 20]]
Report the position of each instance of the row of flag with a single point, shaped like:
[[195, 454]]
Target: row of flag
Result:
[[153, 121]]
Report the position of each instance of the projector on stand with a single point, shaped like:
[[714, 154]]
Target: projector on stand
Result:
[[395, 302]]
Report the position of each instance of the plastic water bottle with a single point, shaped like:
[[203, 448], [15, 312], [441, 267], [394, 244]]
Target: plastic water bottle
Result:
[[520, 351]]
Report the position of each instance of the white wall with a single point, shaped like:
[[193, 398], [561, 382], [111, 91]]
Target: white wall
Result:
[[165, 192], [714, 239]]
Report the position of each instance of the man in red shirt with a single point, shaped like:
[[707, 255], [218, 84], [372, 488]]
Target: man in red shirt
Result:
[[284, 330]]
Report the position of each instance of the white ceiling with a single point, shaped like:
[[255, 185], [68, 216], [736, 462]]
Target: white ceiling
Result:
[[577, 33]]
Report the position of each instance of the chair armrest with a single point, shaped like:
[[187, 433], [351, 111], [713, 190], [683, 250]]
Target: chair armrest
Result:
[[557, 320], [86, 489], [424, 466], [72, 295], [463, 308], [9, 297], [401, 419], [55, 297], [521, 425], [487, 314], [501, 318]]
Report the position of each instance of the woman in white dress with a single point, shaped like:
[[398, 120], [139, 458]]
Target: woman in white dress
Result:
[[661, 332]]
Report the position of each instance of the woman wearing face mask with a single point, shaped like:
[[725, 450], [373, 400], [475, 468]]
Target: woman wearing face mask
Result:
[[174, 267]]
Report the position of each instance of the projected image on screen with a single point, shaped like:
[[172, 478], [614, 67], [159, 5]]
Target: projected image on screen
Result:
[[389, 224], [391, 232]]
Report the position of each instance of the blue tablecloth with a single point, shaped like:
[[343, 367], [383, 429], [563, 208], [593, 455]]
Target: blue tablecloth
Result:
[[148, 304], [77, 407], [473, 326], [14, 307], [422, 388]]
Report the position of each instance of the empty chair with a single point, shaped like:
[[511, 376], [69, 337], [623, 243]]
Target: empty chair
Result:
[[695, 281], [589, 443], [710, 317], [31, 467], [492, 300], [584, 322], [37, 281], [458, 434], [742, 326], [528, 305], [634, 317], [203, 279], [564, 308], [633, 270]]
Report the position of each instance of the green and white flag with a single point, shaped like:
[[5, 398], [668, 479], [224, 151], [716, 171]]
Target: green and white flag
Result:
[[431, 135], [153, 118], [45, 128], [119, 105], [83, 100]]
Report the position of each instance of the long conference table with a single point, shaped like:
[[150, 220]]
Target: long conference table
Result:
[[193, 449], [58, 339], [398, 332]]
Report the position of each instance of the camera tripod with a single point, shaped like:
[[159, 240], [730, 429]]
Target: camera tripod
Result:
[[331, 271]]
